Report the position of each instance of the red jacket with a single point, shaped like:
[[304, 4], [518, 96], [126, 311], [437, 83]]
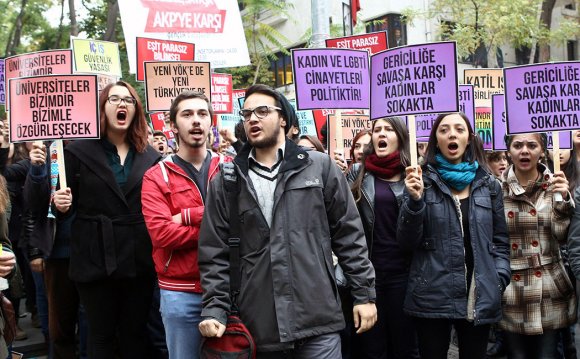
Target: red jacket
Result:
[[167, 191]]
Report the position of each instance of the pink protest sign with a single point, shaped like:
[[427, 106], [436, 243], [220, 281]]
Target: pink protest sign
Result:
[[54, 107], [161, 50], [2, 83], [415, 79], [331, 78], [221, 93], [53, 62], [542, 97], [373, 42]]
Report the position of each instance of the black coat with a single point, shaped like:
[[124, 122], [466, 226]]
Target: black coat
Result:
[[108, 235], [431, 228]]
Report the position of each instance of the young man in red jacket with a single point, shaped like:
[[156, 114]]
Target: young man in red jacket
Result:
[[173, 198]]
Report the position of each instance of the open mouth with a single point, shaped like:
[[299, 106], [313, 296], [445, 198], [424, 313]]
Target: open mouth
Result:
[[382, 144], [525, 160], [254, 130], [161, 147], [453, 146], [196, 131], [121, 115]]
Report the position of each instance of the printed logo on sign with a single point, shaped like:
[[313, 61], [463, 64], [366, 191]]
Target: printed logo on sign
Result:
[[184, 16]]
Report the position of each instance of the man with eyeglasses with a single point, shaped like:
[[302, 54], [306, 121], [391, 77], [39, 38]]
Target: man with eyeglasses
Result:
[[173, 198], [294, 209]]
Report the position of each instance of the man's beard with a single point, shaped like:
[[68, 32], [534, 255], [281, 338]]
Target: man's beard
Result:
[[267, 142]]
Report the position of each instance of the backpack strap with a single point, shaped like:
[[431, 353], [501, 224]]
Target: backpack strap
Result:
[[232, 188]]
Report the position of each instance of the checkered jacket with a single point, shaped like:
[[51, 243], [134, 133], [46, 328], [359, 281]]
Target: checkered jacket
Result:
[[540, 295]]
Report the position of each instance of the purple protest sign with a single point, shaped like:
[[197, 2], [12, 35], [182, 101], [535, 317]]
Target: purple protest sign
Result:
[[499, 127], [2, 83], [498, 122], [424, 124], [415, 79], [466, 105], [542, 97], [331, 78], [565, 140]]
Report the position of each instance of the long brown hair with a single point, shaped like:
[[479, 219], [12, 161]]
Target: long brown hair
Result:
[[402, 136], [4, 195], [137, 132]]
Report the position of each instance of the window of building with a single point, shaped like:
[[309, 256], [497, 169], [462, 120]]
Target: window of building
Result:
[[393, 25], [572, 47], [571, 6], [282, 69]]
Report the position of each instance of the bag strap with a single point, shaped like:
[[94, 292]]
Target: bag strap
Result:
[[232, 187]]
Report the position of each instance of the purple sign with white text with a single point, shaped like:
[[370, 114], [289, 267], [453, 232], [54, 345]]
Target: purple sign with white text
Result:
[[331, 78], [542, 97], [415, 79], [424, 123], [2, 83], [498, 122], [499, 128]]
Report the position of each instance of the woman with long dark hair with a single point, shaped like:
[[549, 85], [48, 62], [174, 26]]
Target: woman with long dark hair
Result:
[[540, 299], [452, 219], [110, 258], [377, 185]]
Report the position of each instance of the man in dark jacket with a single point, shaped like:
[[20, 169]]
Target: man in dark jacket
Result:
[[295, 209]]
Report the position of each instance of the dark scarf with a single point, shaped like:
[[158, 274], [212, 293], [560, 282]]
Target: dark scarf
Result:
[[384, 167]]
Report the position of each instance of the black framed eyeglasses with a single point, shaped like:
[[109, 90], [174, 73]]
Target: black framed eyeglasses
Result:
[[116, 100], [259, 111]]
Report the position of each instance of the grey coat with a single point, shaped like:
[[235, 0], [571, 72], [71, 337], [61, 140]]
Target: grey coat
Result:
[[288, 289], [431, 228]]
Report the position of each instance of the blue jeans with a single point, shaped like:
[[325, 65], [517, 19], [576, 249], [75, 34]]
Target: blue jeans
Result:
[[181, 314], [325, 346], [543, 346]]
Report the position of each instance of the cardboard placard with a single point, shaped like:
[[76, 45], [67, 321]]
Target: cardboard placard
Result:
[[41, 63], [96, 57], [221, 93], [161, 50], [214, 26], [331, 78], [165, 80], [542, 97], [415, 79], [351, 125], [54, 107], [372, 42]]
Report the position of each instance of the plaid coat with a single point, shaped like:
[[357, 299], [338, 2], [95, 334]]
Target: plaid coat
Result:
[[540, 295]]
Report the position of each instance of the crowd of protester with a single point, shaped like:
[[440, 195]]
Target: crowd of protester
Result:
[[370, 258]]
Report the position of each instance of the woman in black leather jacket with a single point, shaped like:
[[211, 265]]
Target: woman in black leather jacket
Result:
[[452, 218], [377, 185]]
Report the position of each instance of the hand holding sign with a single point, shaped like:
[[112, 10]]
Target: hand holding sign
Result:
[[38, 153], [414, 182], [4, 132], [560, 184], [63, 199]]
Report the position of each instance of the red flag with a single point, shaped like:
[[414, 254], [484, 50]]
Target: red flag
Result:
[[354, 9]]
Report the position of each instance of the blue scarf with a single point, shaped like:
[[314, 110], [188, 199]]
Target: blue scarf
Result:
[[458, 176]]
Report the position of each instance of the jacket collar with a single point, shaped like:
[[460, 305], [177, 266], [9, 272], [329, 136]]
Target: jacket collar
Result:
[[515, 189], [294, 157], [91, 153]]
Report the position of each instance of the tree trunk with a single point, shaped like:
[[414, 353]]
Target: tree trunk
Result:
[[546, 20], [112, 15], [15, 42], [492, 57], [74, 26], [59, 33]]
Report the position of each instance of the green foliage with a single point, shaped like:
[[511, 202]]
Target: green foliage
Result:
[[35, 31], [491, 23], [263, 40]]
